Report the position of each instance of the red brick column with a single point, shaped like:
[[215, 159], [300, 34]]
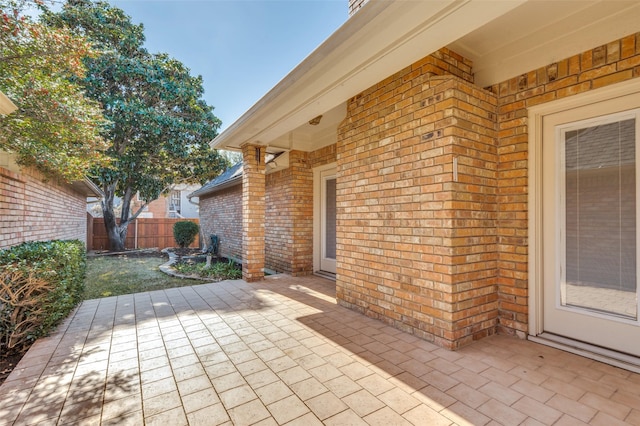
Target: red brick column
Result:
[[253, 212]]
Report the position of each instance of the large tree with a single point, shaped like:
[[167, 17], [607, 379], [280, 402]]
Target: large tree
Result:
[[56, 128], [161, 126]]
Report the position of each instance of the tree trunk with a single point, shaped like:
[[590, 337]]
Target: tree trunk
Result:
[[117, 233]]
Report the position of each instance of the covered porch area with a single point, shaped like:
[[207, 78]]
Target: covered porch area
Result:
[[281, 351]]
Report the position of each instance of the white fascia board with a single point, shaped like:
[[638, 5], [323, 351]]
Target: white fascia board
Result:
[[380, 39], [88, 188]]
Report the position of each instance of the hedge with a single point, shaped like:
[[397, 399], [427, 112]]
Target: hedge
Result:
[[40, 283]]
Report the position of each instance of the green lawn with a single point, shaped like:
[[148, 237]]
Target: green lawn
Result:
[[116, 275]]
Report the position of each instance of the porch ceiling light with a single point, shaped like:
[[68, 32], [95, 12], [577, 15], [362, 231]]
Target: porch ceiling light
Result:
[[315, 121]]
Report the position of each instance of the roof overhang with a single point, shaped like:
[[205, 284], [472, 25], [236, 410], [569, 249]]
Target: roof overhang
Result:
[[504, 38], [87, 188], [213, 189]]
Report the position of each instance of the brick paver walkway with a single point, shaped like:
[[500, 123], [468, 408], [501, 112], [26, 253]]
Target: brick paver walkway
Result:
[[282, 352]]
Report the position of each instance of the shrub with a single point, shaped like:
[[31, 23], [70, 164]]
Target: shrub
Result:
[[184, 232], [40, 283], [228, 270]]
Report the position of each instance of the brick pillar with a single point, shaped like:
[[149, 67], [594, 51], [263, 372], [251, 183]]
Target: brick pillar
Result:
[[302, 213], [253, 212]]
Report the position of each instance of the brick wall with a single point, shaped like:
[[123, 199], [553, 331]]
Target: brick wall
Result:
[[322, 156], [289, 212], [33, 210], [604, 65], [221, 215], [469, 238], [253, 212], [289, 217], [278, 221], [418, 248], [354, 5]]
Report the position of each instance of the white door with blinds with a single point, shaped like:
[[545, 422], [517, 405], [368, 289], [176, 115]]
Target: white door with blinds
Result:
[[328, 221], [590, 227]]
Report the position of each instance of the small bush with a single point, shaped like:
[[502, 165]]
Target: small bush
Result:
[[184, 232], [39, 285]]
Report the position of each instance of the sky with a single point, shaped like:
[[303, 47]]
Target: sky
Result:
[[241, 48]]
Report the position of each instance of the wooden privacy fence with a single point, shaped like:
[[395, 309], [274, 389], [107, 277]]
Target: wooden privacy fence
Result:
[[141, 233]]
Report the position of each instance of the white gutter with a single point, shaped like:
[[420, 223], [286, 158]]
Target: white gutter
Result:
[[377, 41]]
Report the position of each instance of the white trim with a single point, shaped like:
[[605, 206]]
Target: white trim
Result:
[[588, 351], [378, 41], [535, 119], [317, 214], [560, 132]]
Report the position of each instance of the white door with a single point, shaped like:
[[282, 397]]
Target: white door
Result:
[[328, 221], [589, 220]]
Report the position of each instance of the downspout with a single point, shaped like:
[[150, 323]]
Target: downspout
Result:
[[203, 242]]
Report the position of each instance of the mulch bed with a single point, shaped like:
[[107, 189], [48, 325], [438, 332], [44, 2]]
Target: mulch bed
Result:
[[7, 365]]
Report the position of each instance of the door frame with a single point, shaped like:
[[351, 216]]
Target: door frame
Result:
[[318, 173], [536, 116]]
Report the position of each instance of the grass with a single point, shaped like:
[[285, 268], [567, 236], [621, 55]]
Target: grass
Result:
[[117, 275]]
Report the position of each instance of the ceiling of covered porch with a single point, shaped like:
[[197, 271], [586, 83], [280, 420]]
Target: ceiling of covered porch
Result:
[[502, 38]]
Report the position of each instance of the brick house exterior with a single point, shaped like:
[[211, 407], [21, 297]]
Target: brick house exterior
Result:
[[33, 208], [437, 164]]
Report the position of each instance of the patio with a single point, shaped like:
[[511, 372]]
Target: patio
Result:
[[281, 351]]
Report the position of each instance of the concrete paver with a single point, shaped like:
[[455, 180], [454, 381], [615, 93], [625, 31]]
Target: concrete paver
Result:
[[281, 351]]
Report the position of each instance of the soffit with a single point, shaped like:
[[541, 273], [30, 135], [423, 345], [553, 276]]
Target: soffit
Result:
[[379, 40], [539, 33], [502, 38]]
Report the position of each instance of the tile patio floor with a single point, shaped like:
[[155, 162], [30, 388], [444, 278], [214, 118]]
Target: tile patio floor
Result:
[[282, 352]]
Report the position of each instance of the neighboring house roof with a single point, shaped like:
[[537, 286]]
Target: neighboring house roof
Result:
[[503, 39], [231, 177]]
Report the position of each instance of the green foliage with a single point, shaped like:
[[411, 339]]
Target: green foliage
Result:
[[184, 232], [56, 128], [160, 126], [52, 273], [228, 270], [117, 275]]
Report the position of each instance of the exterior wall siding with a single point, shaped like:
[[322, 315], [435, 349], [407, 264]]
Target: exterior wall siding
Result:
[[278, 222], [468, 238], [289, 212], [289, 217], [601, 66], [323, 156], [221, 215], [34, 210], [354, 5], [253, 212], [418, 249], [444, 258]]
